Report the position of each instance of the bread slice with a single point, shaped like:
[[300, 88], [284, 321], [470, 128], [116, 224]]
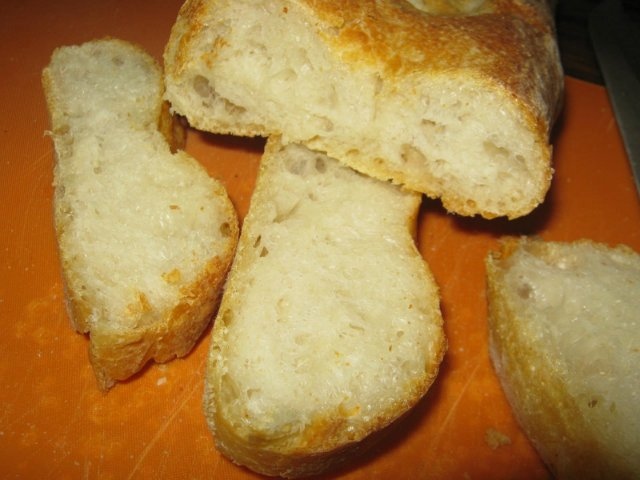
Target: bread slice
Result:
[[329, 327], [565, 342], [145, 236], [453, 99]]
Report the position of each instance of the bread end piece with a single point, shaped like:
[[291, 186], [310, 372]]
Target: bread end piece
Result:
[[452, 99], [565, 343], [145, 236]]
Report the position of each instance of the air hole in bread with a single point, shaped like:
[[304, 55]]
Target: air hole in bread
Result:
[[286, 75], [225, 229], [495, 150], [256, 244], [321, 165], [325, 124], [347, 410], [117, 61], [294, 165], [253, 392], [431, 128], [264, 252], [232, 108], [62, 130], [524, 291], [378, 85], [356, 327], [412, 156], [202, 86], [287, 214]]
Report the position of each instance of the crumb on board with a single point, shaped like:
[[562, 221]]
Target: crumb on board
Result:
[[161, 381], [495, 438]]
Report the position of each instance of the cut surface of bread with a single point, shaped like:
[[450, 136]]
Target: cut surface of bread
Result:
[[145, 236], [330, 327], [565, 342], [454, 99]]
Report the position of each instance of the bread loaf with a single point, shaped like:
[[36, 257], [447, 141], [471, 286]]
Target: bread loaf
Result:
[[565, 343], [330, 327], [453, 98], [145, 236]]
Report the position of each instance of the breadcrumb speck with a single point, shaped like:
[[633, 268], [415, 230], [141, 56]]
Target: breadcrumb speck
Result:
[[496, 439]]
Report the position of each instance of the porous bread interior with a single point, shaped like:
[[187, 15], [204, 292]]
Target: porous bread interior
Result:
[[452, 135], [330, 325], [136, 223], [578, 309]]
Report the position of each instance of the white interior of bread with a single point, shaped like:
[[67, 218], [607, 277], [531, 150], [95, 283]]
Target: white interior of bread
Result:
[[468, 136], [582, 308], [135, 221], [330, 315]]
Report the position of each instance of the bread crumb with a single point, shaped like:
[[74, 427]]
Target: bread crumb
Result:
[[161, 381], [495, 438]]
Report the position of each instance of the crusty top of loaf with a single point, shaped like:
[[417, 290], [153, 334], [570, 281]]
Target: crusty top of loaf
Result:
[[484, 38], [452, 99]]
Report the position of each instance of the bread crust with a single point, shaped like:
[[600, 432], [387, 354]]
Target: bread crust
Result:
[[152, 333], [506, 47], [543, 403]]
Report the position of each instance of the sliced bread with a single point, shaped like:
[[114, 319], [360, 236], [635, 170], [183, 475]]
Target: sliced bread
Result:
[[565, 342], [330, 326], [145, 236], [453, 99]]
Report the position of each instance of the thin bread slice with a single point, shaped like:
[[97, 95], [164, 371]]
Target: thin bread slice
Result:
[[454, 99], [145, 236], [565, 343], [330, 326]]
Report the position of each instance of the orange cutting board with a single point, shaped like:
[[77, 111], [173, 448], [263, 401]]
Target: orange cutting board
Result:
[[54, 423]]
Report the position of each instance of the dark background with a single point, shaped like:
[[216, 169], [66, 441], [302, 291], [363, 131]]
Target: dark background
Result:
[[572, 17]]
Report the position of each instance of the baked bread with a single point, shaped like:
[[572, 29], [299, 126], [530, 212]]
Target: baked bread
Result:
[[565, 342], [453, 98], [145, 236], [329, 327]]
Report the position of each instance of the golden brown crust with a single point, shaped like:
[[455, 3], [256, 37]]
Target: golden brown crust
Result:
[[117, 355], [507, 43], [504, 48], [172, 128], [325, 443]]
